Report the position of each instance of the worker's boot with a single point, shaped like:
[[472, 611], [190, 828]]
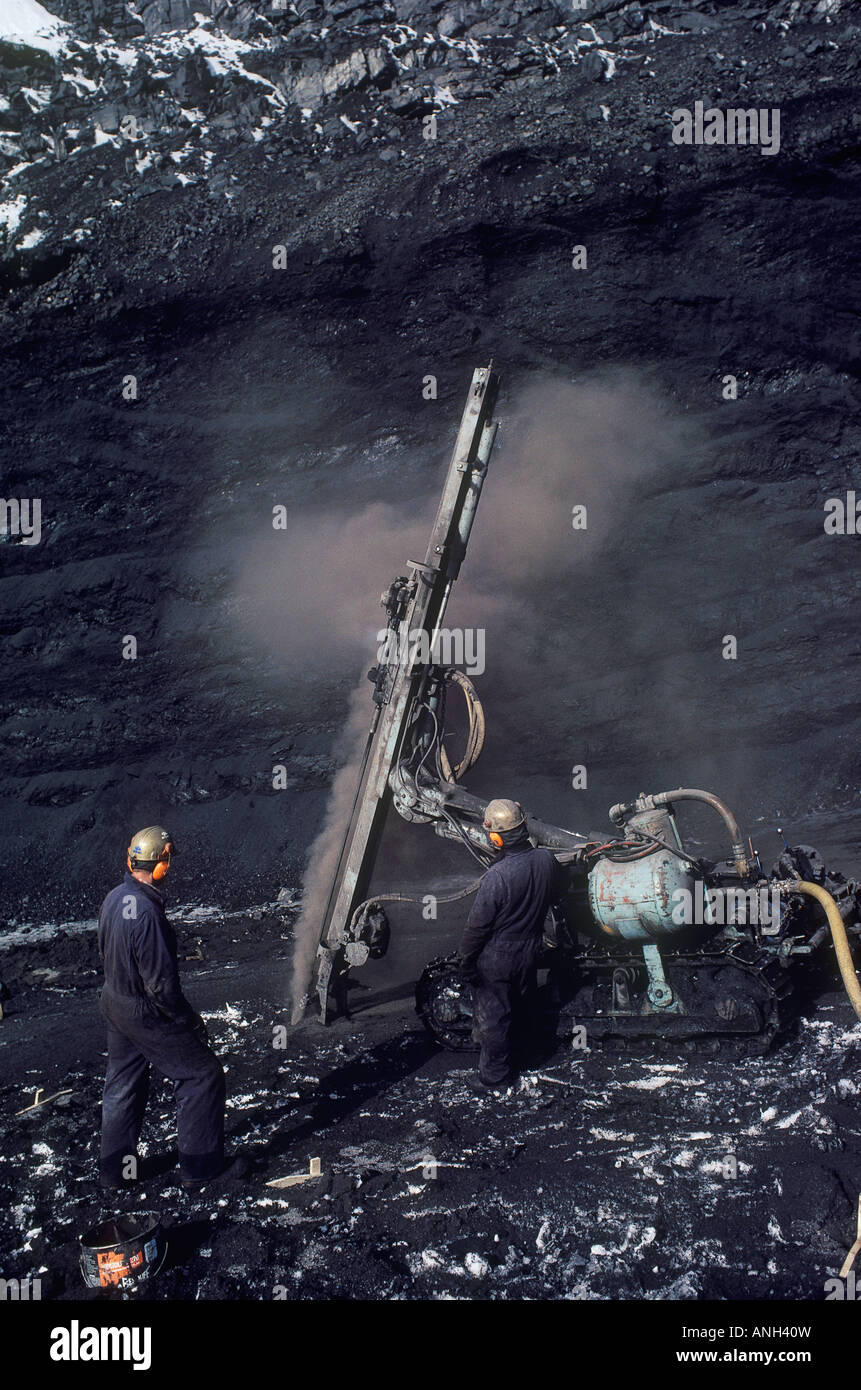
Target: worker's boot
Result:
[[117, 1184], [484, 1089], [234, 1169]]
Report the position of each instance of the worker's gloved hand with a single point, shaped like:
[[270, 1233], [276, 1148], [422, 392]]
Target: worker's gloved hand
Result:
[[469, 971]]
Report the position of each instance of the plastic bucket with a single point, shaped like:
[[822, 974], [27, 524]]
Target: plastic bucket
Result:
[[123, 1251]]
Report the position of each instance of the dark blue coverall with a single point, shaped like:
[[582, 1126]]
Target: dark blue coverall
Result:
[[151, 1022], [500, 944]]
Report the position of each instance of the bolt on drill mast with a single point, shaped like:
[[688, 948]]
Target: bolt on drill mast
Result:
[[415, 605]]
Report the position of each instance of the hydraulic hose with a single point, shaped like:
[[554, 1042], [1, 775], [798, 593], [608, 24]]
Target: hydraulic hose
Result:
[[739, 852], [645, 803], [838, 933], [475, 737], [406, 898]]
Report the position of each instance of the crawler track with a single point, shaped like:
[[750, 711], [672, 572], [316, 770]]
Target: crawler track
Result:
[[735, 1001]]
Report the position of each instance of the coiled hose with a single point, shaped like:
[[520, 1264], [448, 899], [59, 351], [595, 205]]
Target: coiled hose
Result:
[[475, 737], [838, 933]]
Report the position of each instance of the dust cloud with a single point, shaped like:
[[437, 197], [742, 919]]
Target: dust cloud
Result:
[[588, 444], [312, 592], [325, 851]]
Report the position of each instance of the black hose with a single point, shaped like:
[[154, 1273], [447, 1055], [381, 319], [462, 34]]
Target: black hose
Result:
[[485, 862], [643, 854]]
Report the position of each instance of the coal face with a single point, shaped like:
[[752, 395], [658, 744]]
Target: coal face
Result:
[[302, 387]]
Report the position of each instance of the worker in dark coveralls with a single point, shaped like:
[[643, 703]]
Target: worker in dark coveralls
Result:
[[502, 940], [150, 1022]]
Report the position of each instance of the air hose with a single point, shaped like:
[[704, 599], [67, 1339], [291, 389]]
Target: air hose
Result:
[[407, 898], [475, 738], [621, 813], [838, 933]]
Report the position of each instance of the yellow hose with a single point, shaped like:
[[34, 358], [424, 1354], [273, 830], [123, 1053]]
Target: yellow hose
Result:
[[841, 940]]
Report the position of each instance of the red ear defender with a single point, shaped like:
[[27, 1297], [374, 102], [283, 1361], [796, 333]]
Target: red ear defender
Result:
[[496, 840], [162, 866]]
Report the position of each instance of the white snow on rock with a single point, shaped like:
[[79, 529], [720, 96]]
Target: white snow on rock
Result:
[[221, 54], [30, 933], [227, 1015], [81, 83], [684, 1159], [11, 212], [654, 1083], [36, 97], [442, 97], [789, 1120], [26, 24]]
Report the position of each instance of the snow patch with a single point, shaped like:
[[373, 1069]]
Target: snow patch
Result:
[[80, 81], [36, 97], [10, 218], [685, 1159], [789, 1120], [654, 1083], [31, 239], [26, 24], [228, 1014]]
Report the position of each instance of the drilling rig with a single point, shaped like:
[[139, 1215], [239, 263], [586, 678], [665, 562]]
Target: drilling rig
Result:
[[647, 940]]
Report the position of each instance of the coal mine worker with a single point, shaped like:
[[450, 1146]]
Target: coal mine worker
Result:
[[151, 1023], [502, 939]]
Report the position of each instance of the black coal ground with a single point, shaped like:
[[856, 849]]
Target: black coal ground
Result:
[[604, 1178], [656, 1176]]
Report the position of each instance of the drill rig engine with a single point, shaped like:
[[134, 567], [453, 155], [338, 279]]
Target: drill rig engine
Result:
[[651, 941]]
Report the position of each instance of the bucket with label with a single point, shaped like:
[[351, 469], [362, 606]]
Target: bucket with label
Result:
[[122, 1252]]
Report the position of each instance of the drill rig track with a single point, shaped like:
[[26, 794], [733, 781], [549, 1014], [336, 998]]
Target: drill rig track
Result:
[[736, 1000]]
